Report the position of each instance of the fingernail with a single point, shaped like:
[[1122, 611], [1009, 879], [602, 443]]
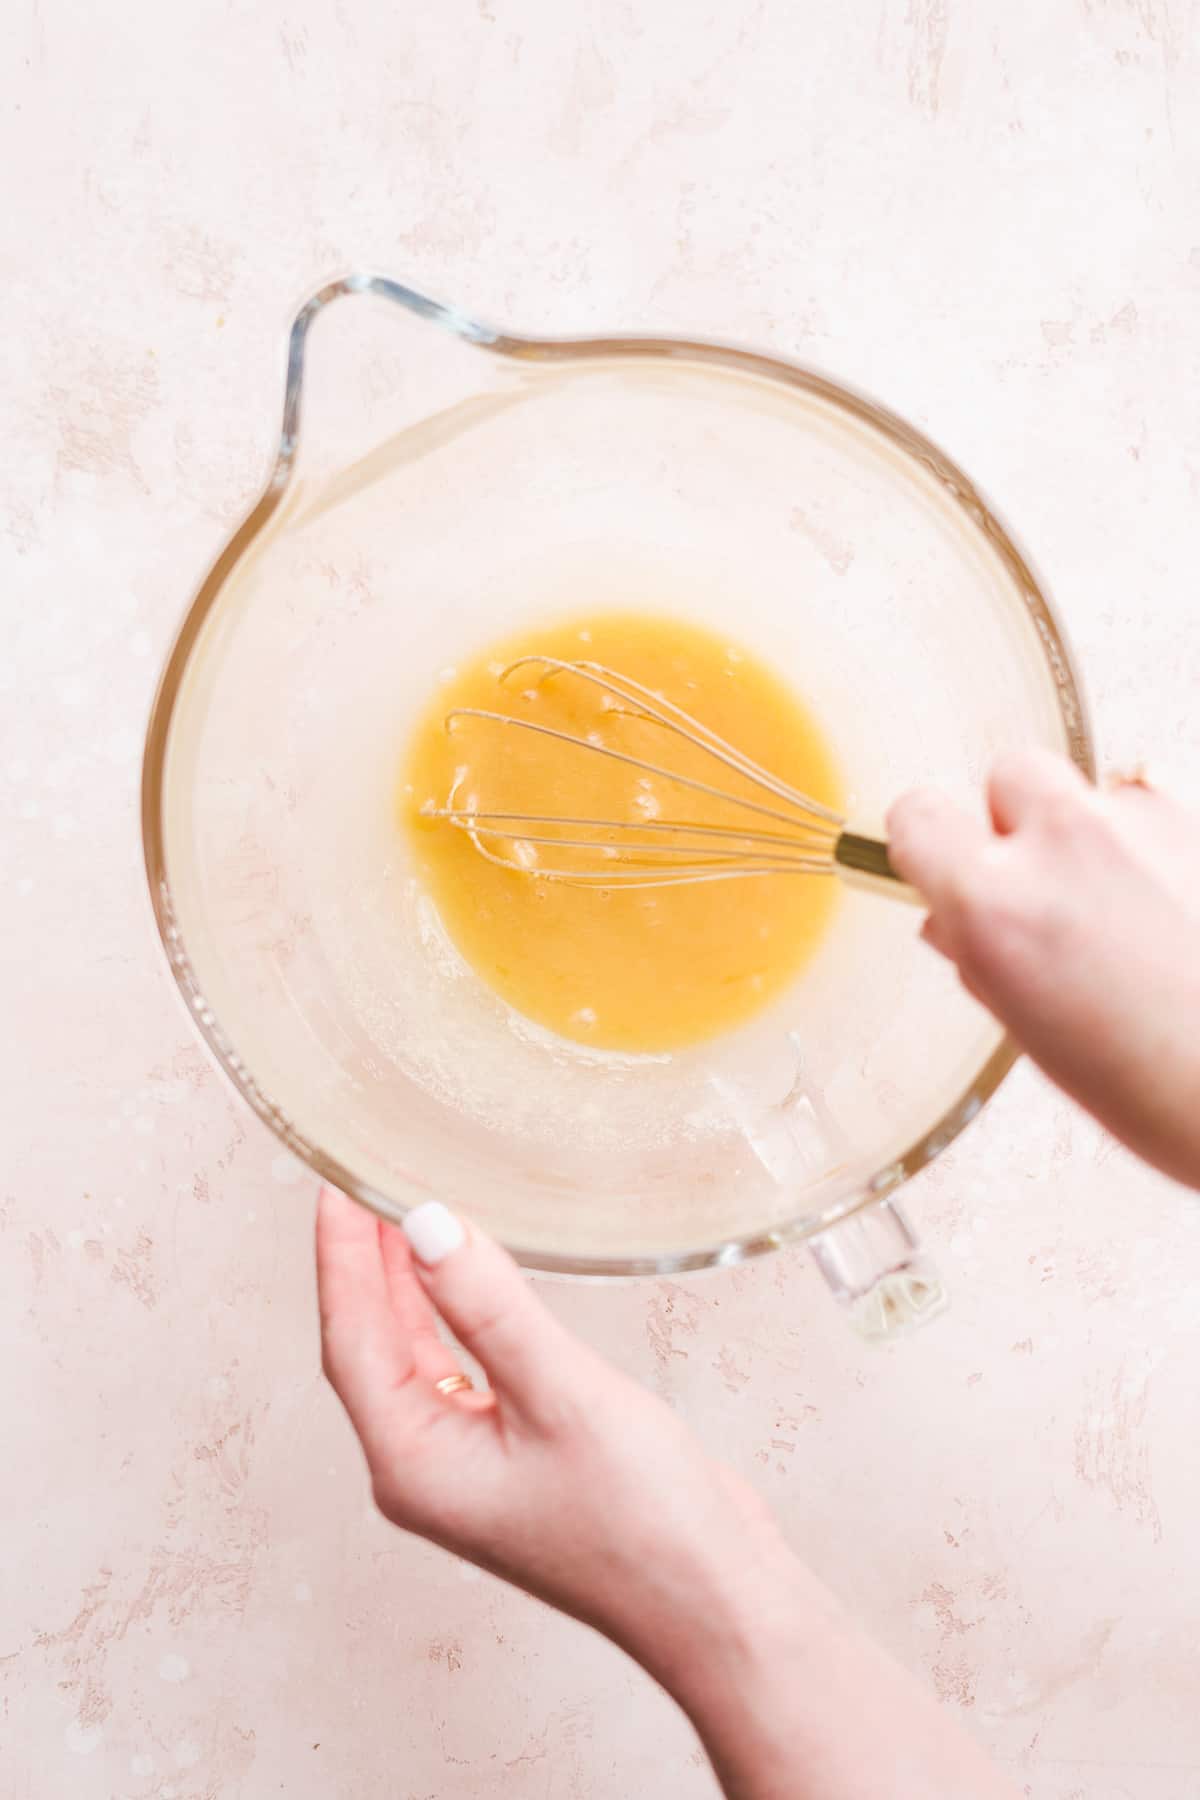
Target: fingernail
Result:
[[433, 1231]]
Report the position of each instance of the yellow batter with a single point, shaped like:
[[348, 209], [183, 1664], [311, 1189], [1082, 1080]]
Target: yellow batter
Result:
[[635, 970]]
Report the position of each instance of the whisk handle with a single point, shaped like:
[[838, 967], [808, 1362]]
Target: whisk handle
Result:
[[864, 862]]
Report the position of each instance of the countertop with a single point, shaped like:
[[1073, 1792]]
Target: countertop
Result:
[[986, 216]]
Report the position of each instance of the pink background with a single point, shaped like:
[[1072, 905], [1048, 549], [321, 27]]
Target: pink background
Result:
[[986, 215]]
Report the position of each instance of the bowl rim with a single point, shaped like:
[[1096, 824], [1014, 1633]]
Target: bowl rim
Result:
[[712, 353]]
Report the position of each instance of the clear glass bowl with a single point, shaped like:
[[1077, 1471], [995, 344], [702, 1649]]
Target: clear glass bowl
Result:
[[450, 484]]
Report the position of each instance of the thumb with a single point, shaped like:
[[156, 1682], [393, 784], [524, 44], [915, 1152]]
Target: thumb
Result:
[[488, 1305]]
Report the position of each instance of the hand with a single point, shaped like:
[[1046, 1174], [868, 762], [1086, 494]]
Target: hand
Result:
[[564, 1477], [577, 1485], [1074, 916]]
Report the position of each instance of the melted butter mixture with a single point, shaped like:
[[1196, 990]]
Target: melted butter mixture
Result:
[[632, 969]]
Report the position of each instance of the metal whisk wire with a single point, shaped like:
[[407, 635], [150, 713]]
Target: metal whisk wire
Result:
[[652, 853]]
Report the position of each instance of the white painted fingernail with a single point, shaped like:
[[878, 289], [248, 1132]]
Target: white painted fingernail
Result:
[[433, 1231]]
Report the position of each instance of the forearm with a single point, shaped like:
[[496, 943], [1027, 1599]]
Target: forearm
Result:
[[793, 1702]]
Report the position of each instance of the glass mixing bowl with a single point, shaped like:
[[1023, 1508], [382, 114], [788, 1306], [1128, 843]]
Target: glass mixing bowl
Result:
[[451, 484]]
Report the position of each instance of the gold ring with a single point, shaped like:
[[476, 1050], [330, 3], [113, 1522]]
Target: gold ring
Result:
[[458, 1383]]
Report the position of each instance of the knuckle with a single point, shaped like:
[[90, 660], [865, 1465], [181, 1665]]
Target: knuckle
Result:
[[910, 810]]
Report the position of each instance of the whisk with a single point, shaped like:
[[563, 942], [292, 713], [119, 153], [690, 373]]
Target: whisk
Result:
[[778, 830]]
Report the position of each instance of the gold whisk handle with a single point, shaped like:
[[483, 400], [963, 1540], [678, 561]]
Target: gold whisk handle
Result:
[[863, 862]]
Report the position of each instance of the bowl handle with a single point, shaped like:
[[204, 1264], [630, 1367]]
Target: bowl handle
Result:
[[878, 1272]]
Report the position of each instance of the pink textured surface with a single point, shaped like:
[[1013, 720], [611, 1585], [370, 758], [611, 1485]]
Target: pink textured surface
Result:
[[985, 215]]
